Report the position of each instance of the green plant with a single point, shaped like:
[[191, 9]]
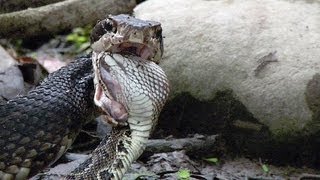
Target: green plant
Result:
[[80, 37], [183, 174], [212, 160], [265, 168]]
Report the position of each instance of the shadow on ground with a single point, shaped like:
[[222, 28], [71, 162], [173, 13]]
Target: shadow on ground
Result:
[[242, 134]]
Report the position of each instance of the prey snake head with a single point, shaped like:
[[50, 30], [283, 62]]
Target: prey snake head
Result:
[[123, 35]]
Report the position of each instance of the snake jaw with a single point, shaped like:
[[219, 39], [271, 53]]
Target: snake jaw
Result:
[[118, 44]]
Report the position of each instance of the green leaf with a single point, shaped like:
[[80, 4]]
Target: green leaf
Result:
[[82, 39], [183, 174], [71, 37], [265, 168], [212, 160]]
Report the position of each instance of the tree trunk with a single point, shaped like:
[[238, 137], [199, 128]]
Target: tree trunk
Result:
[[7, 6], [60, 16]]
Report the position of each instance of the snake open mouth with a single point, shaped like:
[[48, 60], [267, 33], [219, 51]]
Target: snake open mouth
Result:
[[137, 49], [127, 35]]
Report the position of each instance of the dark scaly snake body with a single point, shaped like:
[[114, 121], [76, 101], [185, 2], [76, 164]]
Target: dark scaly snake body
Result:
[[38, 128]]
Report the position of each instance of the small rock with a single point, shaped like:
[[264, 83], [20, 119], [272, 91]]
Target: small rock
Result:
[[11, 79]]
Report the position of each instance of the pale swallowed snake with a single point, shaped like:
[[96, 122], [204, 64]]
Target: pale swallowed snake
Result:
[[130, 88]]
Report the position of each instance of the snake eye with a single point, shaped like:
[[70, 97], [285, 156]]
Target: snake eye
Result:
[[102, 28], [108, 25]]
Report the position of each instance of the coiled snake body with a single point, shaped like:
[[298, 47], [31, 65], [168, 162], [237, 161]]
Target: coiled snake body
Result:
[[130, 89]]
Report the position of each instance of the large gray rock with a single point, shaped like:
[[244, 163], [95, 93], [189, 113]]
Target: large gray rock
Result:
[[266, 52]]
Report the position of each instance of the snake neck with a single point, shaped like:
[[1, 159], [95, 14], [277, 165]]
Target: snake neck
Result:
[[115, 154], [133, 142]]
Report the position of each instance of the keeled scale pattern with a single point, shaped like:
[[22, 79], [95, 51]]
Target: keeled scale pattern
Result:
[[38, 127]]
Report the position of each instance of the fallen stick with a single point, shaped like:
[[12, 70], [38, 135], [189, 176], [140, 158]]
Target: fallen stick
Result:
[[195, 144]]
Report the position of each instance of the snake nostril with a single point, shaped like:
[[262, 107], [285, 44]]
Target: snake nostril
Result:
[[159, 33]]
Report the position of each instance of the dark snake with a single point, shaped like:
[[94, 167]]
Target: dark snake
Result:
[[129, 88]]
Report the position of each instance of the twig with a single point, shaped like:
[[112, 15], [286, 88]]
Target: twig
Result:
[[309, 176]]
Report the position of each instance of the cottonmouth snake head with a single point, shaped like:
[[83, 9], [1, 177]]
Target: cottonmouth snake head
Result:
[[126, 34]]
